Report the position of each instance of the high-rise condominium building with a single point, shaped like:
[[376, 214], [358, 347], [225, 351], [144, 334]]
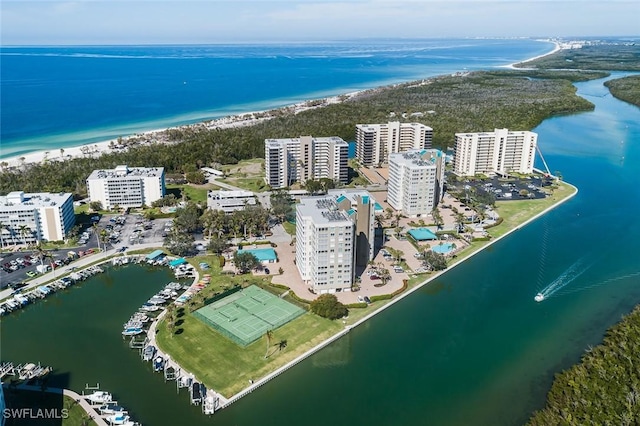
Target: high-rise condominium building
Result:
[[416, 181], [299, 159], [27, 218], [324, 245], [375, 142], [500, 151], [126, 187], [361, 209]]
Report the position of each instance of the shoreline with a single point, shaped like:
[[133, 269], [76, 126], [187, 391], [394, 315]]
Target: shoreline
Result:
[[249, 118], [227, 401], [348, 328], [558, 47]]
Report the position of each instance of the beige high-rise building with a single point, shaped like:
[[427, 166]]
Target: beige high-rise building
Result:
[[375, 142], [126, 186], [416, 181], [292, 160], [501, 151], [27, 218]]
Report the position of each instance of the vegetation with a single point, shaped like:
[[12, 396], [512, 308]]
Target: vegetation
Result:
[[245, 261], [228, 367], [471, 102], [608, 57], [604, 389], [328, 306], [626, 89]]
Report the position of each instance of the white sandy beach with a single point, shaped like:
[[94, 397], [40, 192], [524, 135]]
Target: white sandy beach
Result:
[[157, 136]]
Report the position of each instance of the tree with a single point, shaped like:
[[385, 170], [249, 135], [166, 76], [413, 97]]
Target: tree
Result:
[[196, 177], [328, 306], [245, 261], [188, 218], [437, 217], [281, 205], [217, 245], [395, 254], [313, 186], [95, 205], [433, 260], [178, 242], [384, 274], [24, 230]]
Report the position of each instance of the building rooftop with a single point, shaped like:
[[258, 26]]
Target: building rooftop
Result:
[[322, 210], [276, 143], [125, 171], [221, 194], [417, 157], [39, 199]]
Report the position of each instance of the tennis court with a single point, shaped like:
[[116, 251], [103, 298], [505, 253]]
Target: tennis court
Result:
[[245, 316]]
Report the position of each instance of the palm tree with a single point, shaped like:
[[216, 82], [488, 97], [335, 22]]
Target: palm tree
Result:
[[24, 231], [269, 335]]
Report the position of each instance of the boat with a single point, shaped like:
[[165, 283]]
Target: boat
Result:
[[158, 363], [148, 307], [118, 418], [539, 297], [26, 372], [196, 393], [148, 353], [99, 397], [209, 404], [110, 408], [184, 381], [132, 331]]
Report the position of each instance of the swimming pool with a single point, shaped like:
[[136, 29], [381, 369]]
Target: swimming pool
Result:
[[422, 234], [263, 254], [443, 248]]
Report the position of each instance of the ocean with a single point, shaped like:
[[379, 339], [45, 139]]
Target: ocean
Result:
[[59, 97]]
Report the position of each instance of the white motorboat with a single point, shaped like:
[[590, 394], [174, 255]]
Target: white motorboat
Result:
[[118, 418], [132, 331], [539, 297], [26, 372], [148, 353], [99, 397], [111, 408], [209, 404]]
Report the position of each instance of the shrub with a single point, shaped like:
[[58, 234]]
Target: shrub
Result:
[[358, 305], [328, 306], [222, 261], [380, 297]]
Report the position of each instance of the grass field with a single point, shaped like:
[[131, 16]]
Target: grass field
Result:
[[197, 193], [227, 367]]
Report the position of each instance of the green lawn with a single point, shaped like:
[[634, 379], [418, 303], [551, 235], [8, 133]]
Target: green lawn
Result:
[[227, 367], [254, 184], [289, 227], [197, 193]]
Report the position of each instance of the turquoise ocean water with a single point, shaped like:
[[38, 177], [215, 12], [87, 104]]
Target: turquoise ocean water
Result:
[[57, 97]]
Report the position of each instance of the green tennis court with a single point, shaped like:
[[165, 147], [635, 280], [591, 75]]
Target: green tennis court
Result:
[[246, 316]]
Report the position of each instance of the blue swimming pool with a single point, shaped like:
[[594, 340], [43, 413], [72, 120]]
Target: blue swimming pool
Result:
[[443, 248], [422, 234], [263, 254]]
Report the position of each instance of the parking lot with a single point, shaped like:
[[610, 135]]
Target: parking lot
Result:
[[503, 189], [131, 230]]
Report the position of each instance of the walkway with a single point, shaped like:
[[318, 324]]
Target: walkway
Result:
[[91, 412]]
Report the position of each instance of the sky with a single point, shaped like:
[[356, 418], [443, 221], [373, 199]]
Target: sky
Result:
[[83, 22]]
